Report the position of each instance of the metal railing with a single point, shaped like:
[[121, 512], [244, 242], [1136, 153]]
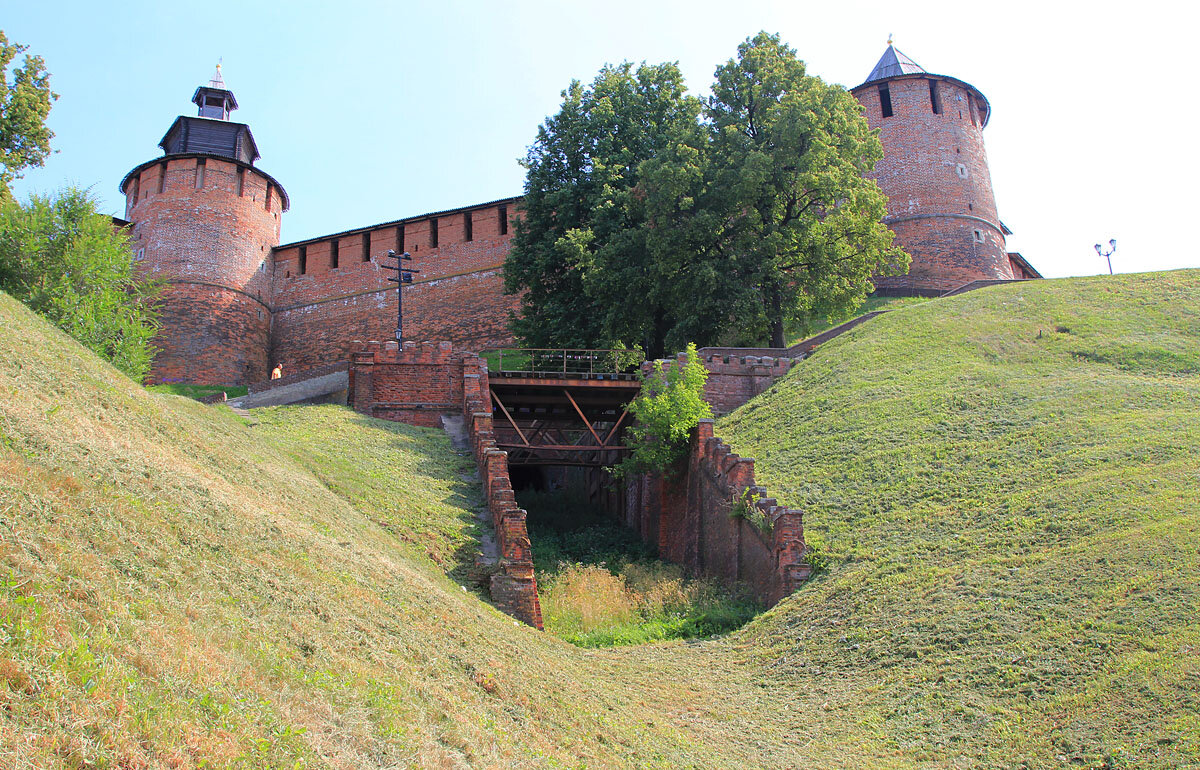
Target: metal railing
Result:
[[564, 362]]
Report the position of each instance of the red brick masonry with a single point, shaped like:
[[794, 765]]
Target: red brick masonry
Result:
[[419, 385], [702, 521]]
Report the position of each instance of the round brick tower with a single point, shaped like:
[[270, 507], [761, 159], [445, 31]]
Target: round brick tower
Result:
[[935, 174], [204, 221]]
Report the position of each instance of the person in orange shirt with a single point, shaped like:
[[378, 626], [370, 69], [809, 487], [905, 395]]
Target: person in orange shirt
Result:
[[277, 372]]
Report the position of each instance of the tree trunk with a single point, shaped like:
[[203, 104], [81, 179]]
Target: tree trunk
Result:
[[775, 317]]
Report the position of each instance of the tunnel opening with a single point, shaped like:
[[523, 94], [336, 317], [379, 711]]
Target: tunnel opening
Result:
[[599, 583]]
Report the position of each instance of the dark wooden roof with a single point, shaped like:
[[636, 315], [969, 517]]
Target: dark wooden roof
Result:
[[211, 137]]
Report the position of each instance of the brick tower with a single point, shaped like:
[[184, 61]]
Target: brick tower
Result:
[[935, 174], [204, 220]]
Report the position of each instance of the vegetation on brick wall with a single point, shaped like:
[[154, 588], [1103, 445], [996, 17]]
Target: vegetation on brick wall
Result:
[[670, 403], [66, 261]]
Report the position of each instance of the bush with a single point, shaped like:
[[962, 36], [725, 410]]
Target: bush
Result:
[[669, 405], [68, 263]]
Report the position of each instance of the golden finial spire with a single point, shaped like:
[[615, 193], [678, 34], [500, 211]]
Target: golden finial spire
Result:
[[889, 38]]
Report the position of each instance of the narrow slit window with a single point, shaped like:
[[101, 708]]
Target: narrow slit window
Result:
[[977, 235], [503, 212], [333, 254], [399, 239], [433, 234], [366, 246], [934, 100], [200, 166], [241, 181], [885, 101], [303, 259], [468, 227]]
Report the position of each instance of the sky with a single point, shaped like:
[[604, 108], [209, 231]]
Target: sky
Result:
[[372, 111]]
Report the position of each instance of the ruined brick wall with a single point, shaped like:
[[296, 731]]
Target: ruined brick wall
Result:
[[935, 174], [332, 290], [206, 226], [418, 385], [700, 521]]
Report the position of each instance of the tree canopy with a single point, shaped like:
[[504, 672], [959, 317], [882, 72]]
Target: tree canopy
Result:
[[580, 244], [67, 262], [655, 219], [25, 101]]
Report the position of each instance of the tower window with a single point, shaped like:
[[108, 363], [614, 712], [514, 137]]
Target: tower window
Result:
[[333, 254], [200, 165], [934, 100], [503, 211], [303, 260], [977, 235], [433, 234], [366, 246], [961, 170], [399, 239], [885, 101], [468, 227]]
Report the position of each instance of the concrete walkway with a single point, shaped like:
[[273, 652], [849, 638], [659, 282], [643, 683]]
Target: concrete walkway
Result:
[[326, 388]]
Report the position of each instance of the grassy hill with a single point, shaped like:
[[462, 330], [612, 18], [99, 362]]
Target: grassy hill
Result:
[[1010, 523], [1006, 488]]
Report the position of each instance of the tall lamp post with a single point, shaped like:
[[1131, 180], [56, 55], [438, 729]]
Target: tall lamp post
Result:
[[403, 275], [1112, 247]]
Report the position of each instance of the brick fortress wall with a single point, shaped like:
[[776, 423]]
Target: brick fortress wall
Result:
[[321, 307], [206, 226], [935, 174]]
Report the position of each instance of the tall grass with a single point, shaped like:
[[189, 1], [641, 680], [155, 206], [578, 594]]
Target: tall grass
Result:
[[601, 586]]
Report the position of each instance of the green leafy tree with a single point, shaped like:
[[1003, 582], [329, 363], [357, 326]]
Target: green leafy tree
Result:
[[580, 256], [66, 261], [783, 224], [670, 404], [25, 99]]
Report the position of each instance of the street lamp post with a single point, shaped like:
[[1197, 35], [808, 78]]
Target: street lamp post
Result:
[[1112, 247], [403, 275]]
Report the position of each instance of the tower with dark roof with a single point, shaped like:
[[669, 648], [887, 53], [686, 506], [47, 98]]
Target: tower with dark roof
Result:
[[935, 174], [205, 220]]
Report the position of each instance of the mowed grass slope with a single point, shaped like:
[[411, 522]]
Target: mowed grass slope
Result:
[[1010, 524], [1005, 486], [181, 589]]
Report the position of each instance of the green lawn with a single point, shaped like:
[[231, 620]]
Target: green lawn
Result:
[[198, 391]]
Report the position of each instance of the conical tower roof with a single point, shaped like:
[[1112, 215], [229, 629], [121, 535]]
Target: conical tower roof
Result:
[[893, 63]]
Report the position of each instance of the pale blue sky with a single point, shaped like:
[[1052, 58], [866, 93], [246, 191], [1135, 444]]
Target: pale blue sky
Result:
[[371, 111]]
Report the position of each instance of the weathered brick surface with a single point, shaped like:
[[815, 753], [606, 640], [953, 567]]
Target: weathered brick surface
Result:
[[419, 383], [935, 174], [213, 247], [693, 521], [457, 296]]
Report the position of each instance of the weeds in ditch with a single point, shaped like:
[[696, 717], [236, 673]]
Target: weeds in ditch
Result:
[[601, 586]]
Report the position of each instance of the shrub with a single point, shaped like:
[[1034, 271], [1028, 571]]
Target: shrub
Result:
[[669, 405], [68, 263]]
